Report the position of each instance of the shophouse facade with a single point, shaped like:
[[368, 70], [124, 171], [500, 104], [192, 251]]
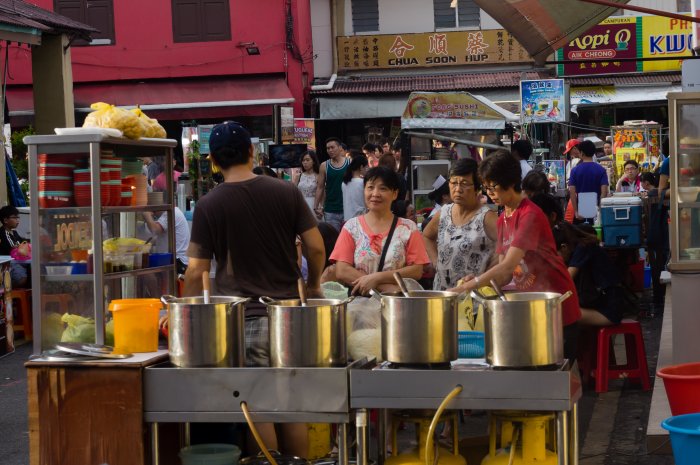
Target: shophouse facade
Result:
[[181, 60], [370, 54]]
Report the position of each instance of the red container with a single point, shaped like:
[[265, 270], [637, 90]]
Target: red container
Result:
[[104, 196], [55, 201], [83, 201], [682, 383], [126, 200], [63, 186], [116, 194], [55, 171]]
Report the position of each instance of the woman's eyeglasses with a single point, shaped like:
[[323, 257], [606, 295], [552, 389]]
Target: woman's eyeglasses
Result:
[[490, 189]]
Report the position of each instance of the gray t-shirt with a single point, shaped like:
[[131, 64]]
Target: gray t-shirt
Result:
[[250, 228]]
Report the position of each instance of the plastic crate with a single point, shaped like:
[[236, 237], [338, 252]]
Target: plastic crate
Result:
[[470, 344]]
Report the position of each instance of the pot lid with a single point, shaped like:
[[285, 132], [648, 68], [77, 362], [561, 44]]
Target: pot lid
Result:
[[90, 350], [55, 355]]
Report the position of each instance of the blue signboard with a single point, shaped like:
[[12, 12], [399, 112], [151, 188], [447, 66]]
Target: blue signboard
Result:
[[544, 101]]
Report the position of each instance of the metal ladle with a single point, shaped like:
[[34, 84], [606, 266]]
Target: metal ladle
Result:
[[402, 285], [498, 290]]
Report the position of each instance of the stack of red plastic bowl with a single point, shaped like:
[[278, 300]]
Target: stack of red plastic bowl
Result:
[[126, 195], [82, 183], [55, 180]]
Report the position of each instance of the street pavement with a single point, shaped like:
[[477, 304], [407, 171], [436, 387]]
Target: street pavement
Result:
[[612, 425]]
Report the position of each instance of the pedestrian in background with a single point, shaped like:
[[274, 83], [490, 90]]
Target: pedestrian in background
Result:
[[329, 194]]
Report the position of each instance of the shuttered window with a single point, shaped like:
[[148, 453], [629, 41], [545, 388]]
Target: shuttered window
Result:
[[365, 15], [464, 14], [96, 13], [201, 20]]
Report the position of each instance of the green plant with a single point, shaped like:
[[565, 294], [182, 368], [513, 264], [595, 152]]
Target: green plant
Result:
[[19, 150], [193, 161]]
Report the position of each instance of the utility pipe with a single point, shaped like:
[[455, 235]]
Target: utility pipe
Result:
[[642, 9], [328, 86]]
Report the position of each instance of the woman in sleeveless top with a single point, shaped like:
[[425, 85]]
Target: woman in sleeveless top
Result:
[[308, 178], [460, 239]]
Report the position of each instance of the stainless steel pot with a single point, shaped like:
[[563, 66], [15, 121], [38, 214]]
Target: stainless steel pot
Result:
[[421, 328], [307, 336], [206, 335], [525, 331]]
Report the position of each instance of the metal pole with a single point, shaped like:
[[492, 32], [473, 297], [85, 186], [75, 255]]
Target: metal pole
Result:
[[342, 444], [563, 437], [381, 440], [187, 434], [155, 458], [361, 425], [574, 434]]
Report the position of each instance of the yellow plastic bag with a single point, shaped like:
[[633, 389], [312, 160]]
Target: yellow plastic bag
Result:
[[470, 317], [151, 126], [109, 116], [78, 328]]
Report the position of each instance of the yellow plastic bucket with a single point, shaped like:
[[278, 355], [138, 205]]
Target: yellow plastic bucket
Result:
[[135, 324]]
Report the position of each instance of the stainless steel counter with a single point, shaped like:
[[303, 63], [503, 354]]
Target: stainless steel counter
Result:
[[482, 388], [332, 395]]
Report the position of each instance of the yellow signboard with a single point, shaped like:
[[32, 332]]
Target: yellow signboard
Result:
[[437, 49], [665, 37]]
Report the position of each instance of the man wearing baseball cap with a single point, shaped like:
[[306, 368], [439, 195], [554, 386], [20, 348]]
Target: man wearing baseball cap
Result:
[[249, 224]]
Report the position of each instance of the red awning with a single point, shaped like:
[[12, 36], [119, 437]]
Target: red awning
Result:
[[173, 99]]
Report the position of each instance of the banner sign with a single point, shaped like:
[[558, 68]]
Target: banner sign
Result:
[[450, 110], [304, 132], [543, 101], [640, 143], [628, 37], [434, 49]]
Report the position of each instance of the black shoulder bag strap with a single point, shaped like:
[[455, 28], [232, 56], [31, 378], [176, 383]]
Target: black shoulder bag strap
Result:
[[385, 249]]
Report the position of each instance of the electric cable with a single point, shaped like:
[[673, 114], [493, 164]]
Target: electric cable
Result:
[[256, 435]]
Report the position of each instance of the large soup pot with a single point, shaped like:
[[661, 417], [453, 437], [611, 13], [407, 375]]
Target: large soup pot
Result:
[[421, 328], [525, 331], [206, 334], [311, 335]]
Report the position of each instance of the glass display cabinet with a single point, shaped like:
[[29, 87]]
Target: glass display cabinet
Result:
[[684, 119], [91, 242]]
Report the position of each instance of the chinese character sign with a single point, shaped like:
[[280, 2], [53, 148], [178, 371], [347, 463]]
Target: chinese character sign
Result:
[[430, 49], [543, 101]]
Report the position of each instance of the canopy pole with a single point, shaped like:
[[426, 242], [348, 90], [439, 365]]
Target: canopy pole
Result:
[[642, 9], [442, 138]]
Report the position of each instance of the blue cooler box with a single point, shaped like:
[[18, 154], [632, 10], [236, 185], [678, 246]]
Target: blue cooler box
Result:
[[621, 219]]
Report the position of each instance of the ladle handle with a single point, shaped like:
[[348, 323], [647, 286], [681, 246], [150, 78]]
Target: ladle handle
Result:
[[565, 296], [402, 285], [498, 290], [301, 286], [205, 286]]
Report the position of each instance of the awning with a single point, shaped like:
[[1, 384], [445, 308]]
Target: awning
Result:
[[173, 99], [542, 26], [392, 106], [603, 95]]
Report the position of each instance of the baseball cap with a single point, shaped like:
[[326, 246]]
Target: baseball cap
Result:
[[571, 144], [230, 134]]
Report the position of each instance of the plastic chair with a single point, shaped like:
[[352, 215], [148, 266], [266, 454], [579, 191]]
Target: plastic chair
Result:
[[22, 301], [636, 365], [64, 302]]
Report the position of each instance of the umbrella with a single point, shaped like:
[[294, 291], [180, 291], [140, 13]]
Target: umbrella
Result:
[[543, 26]]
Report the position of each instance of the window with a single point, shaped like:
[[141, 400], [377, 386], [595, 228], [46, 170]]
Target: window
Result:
[[683, 6], [96, 13], [201, 20], [456, 13], [365, 15]]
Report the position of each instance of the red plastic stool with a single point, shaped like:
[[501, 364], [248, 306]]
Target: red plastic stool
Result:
[[636, 367], [23, 299]]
